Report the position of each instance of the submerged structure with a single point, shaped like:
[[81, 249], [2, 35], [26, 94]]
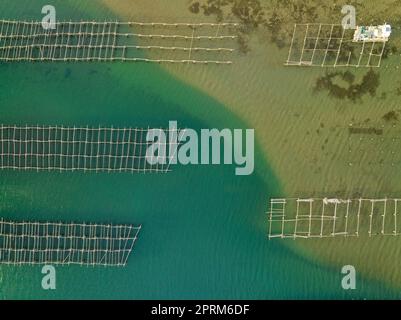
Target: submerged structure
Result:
[[66, 243], [372, 33], [117, 41], [332, 217]]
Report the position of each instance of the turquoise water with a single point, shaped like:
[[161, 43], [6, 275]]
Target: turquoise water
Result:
[[204, 229]]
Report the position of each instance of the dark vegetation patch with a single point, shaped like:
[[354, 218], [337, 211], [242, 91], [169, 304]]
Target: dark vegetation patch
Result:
[[398, 89], [249, 12], [194, 7], [368, 131], [391, 116], [352, 90]]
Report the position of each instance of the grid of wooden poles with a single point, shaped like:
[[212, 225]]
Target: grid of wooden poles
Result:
[[66, 243], [331, 217], [330, 45], [88, 149], [117, 41]]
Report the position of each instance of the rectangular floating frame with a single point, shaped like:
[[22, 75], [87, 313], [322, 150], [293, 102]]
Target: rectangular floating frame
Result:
[[330, 45], [88, 149], [32, 243], [117, 41], [331, 217]]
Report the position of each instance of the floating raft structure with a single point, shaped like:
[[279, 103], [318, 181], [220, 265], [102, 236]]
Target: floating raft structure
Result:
[[117, 41], [303, 218], [372, 33], [32, 243], [87, 149], [330, 45]]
